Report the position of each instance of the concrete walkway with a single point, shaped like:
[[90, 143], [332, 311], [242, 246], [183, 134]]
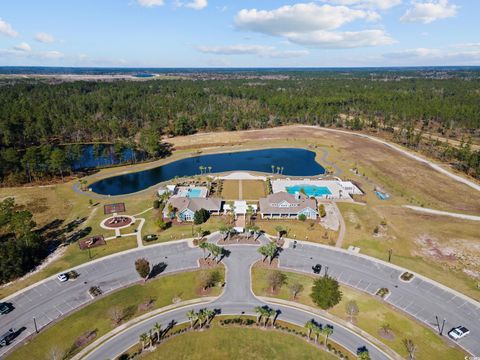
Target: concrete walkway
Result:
[[443, 213]]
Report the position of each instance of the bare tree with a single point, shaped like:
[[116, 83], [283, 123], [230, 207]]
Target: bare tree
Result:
[[295, 289], [116, 314], [411, 348], [351, 308]]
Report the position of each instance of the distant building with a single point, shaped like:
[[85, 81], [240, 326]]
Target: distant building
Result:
[[185, 207], [284, 205]]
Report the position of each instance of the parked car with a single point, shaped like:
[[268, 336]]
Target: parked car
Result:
[[150, 237], [5, 308], [317, 268], [62, 277], [458, 332], [6, 338]]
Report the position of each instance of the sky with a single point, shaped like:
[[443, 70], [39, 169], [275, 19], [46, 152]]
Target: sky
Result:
[[241, 33]]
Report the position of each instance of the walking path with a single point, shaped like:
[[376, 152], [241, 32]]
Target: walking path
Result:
[[343, 227], [240, 189], [443, 213]]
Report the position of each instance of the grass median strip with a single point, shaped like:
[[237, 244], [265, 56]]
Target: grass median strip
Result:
[[373, 316], [237, 343], [74, 332]]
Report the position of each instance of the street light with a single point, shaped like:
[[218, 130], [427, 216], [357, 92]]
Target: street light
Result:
[[35, 324], [390, 251]]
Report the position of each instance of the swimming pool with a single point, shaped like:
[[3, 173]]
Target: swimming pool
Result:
[[194, 193], [310, 190]]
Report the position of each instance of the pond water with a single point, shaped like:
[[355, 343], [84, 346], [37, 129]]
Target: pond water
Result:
[[292, 162], [105, 157]]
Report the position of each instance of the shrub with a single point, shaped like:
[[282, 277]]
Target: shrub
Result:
[[321, 210], [156, 204], [201, 216], [326, 292], [302, 217], [143, 267]]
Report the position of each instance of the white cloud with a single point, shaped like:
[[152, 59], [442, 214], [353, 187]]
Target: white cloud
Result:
[[314, 25], [50, 54], [367, 4], [197, 4], [23, 47], [299, 18], [427, 12], [346, 39], [259, 50], [7, 29], [44, 38], [151, 3]]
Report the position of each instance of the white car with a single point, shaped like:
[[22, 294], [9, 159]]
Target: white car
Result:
[[62, 277], [458, 332]]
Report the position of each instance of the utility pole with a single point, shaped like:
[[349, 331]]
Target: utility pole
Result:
[[440, 328], [326, 270], [35, 324]]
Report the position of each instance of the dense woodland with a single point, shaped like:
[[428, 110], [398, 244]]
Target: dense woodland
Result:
[[42, 124]]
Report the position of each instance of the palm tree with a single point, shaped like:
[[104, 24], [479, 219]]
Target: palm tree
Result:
[[310, 326], [143, 339], [209, 314], [317, 330], [224, 231], [269, 251], [272, 314], [273, 168], [327, 331], [157, 328], [201, 169], [279, 229], [281, 170], [209, 169], [259, 311], [278, 169], [204, 247], [192, 316]]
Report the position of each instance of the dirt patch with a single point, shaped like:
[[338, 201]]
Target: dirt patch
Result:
[[388, 335], [208, 263], [266, 264], [239, 239], [431, 248], [85, 338]]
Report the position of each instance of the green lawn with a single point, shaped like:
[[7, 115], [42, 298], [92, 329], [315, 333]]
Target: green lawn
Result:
[[237, 343], [182, 231], [96, 316], [308, 230], [372, 314]]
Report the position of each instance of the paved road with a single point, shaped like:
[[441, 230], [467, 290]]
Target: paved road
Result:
[[52, 299], [236, 299], [422, 299]]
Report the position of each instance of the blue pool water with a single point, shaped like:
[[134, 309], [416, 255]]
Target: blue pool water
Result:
[[194, 193], [290, 161], [310, 190]]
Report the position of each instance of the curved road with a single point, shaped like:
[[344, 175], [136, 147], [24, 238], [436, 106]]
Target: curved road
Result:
[[421, 298], [236, 299]]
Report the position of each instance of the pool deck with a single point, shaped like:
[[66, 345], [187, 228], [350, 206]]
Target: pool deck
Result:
[[340, 190]]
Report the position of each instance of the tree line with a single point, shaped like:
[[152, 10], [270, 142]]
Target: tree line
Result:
[[40, 122]]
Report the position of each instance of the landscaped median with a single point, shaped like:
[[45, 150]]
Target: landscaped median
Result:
[[356, 309], [240, 337], [70, 335]]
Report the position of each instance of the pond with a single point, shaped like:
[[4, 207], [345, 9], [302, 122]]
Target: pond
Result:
[[289, 161]]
